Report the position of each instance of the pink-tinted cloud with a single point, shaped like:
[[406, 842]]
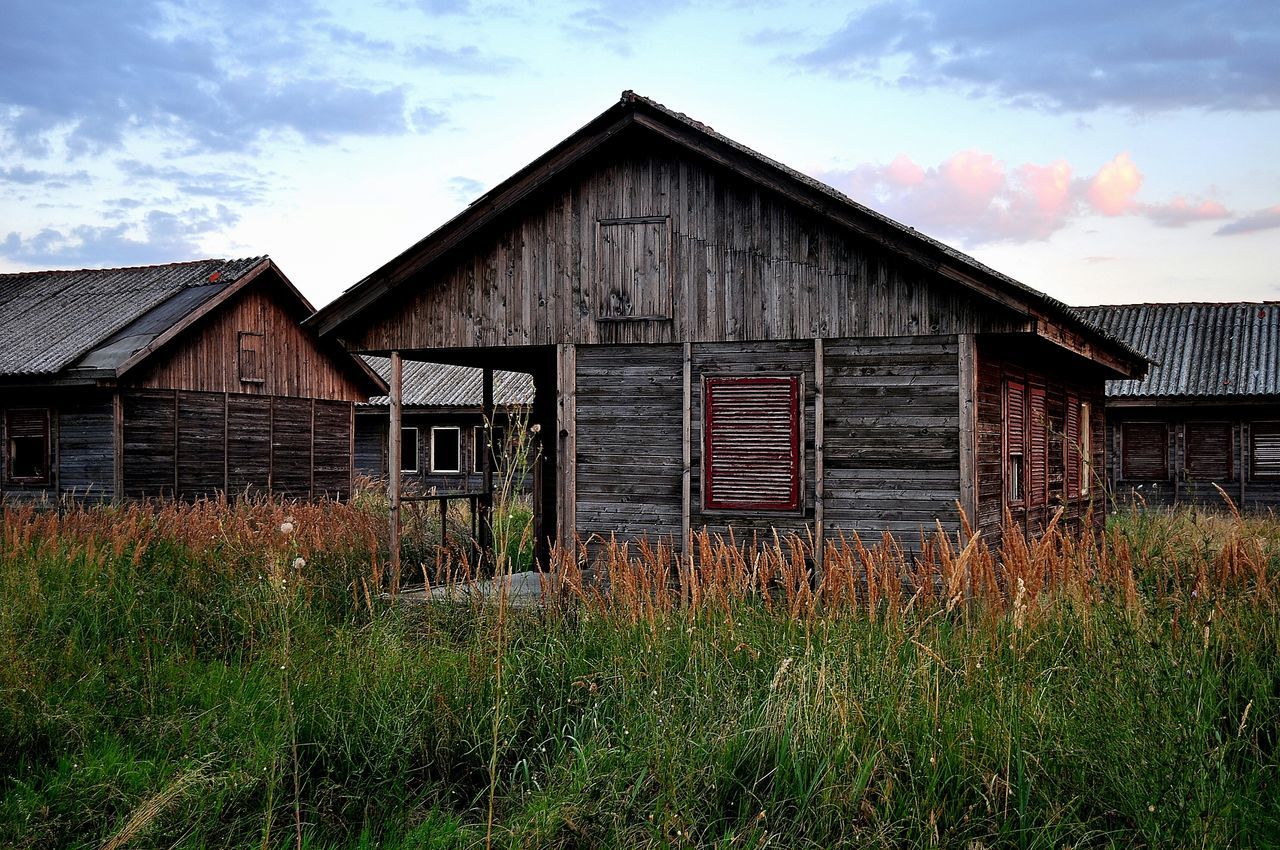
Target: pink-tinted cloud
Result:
[[1111, 190], [973, 196], [1183, 211], [1268, 219]]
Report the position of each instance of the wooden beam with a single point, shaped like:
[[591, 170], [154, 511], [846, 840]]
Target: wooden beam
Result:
[[567, 445], [819, 456], [686, 475], [486, 504], [968, 427], [393, 467]]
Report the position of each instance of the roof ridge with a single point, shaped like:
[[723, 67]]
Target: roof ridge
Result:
[[1181, 304], [142, 267]]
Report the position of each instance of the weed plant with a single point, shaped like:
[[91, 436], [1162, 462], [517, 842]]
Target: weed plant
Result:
[[219, 675]]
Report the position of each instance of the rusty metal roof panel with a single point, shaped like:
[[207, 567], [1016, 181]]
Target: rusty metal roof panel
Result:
[[1198, 350], [50, 319], [443, 385]]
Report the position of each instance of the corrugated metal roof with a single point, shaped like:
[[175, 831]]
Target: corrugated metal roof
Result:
[[1198, 350], [442, 385], [50, 319]]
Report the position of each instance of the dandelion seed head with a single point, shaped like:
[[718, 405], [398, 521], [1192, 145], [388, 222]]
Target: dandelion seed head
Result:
[[286, 527]]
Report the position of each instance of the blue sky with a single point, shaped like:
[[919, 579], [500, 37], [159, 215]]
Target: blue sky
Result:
[[1101, 152]]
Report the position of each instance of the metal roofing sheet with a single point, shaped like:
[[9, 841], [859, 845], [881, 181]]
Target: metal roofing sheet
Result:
[[1198, 350], [49, 319], [442, 385]]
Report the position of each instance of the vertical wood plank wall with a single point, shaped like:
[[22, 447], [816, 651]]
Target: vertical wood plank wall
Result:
[[746, 266], [293, 363], [191, 444], [1181, 487]]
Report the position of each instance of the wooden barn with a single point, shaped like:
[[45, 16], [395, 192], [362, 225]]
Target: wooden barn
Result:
[[441, 424], [717, 340], [1208, 411], [186, 380]]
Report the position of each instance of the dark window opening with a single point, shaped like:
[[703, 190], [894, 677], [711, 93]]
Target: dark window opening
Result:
[[1014, 478], [250, 358], [1144, 451], [409, 450], [446, 449], [751, 451], [27, 433]]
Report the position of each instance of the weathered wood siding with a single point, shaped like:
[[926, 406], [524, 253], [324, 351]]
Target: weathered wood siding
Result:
[[892, 449], [192, 444], [891, 428], [206, 357], [1181, 485], [999, 360], [629, 441], [82, 448], [744, 264]]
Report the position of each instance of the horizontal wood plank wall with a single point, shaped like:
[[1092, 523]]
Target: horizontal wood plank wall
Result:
[[206, 358], [892, 452], [745, 265], [630, 462], [785, 357], [86, 448], [1182, 486], [197, 444], [996, 361]]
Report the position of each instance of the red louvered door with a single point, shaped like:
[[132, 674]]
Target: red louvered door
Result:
[[1015, 427], [1037, 447], [751, 451], [1073, 447]]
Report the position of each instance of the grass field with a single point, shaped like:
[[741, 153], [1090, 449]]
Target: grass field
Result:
[[197, 677]]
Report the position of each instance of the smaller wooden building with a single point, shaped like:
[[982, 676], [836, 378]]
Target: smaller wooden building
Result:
[[442, 424], [1208, 411], [178, 380]]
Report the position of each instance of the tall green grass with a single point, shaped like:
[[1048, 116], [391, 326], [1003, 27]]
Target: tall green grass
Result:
[[176, 677]]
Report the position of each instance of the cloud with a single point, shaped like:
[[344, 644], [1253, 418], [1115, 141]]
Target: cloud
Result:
[[219, 77], [975, 197], [458, 60], [1061, 57], [24, 176], [1267, 219], [160, 237], [465, 188], [232, 185]]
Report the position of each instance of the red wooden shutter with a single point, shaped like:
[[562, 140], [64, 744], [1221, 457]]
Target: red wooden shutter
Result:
[[1015, 429], [1073, 447], [1209, 451], [751, 457], [1144, 451], [1037, 447]]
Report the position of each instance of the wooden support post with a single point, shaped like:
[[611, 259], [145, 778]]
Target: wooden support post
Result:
[[686, 475], [393, 468], [117, 436], [486, 413], [567, 445], [819, 457], [968, 427]]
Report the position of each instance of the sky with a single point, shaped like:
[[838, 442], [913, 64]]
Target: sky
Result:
[[1101, 152]]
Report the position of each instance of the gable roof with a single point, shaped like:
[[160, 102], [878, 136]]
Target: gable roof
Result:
[[443, 385], [51, 319], [633, 111], [1198, 350]]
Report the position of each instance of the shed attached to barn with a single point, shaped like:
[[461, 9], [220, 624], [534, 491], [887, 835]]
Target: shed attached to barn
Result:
[[185, 379], [442, 430], [717, 340], [1208, 411]]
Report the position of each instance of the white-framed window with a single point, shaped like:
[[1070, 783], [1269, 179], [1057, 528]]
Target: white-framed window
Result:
[[409, 450], [446, 448]]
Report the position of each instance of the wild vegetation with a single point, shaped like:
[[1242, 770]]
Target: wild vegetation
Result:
[[220, 675]]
